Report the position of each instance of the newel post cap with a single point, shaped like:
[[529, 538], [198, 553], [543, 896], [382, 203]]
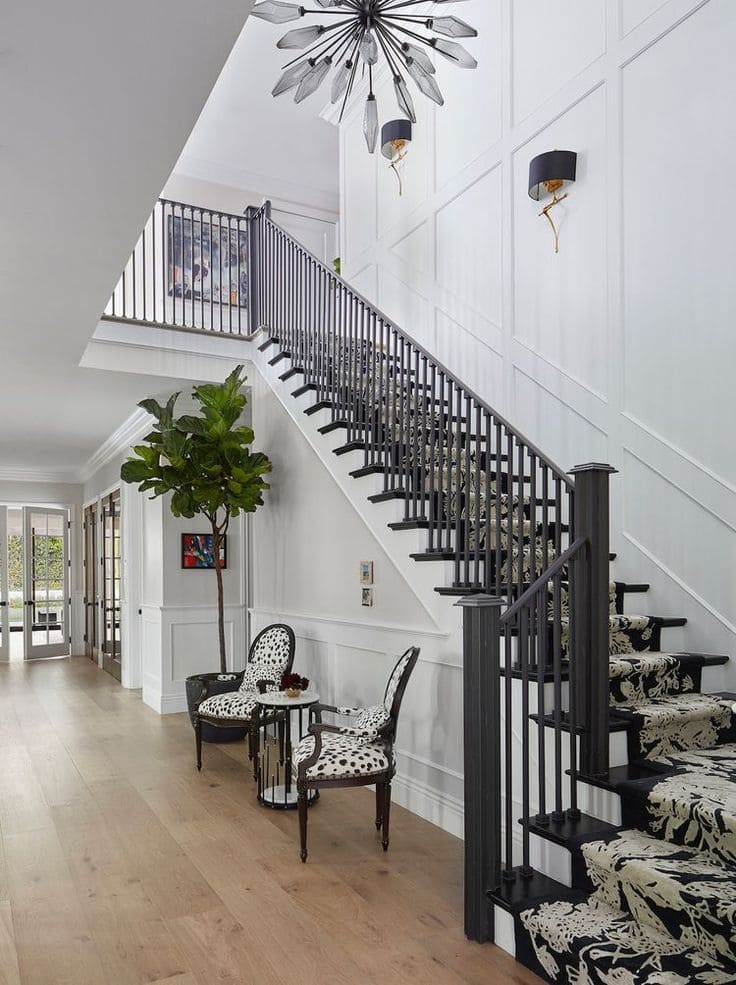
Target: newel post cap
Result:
[[592, 467], [480, 601]]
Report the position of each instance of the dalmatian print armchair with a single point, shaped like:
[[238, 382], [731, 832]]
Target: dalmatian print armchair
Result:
[[271, 655], [356, 754]]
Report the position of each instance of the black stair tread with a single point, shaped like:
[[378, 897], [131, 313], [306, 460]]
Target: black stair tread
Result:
[[618, 723], [294, 371], [618, 775], [364, 470], [320, 405], [708, 659], [304, 388], [348, 447], [270, 341], [432, 555], [460, 592], [521, 893], [614, 724], [332, 426], [279, 357], [417, 523], [570, 831]]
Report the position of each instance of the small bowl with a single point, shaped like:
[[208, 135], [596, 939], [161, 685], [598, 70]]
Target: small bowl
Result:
[[293, 692]]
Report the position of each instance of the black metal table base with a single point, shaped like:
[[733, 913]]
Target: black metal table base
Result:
[[278, 798]]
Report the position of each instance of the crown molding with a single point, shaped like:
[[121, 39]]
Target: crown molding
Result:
[[261, 185], [133, 428], [37, 475]]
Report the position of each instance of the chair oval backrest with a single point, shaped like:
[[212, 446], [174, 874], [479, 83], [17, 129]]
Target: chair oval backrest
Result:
[[397, 682], [271, 655]]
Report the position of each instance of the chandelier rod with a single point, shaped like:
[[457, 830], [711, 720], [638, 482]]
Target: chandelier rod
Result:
[[349, 88], [328, 42]]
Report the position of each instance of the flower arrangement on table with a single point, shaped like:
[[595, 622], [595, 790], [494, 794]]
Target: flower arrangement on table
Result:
[[293, 685]]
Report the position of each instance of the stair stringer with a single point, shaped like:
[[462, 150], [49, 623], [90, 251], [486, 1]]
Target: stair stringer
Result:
[[398, 545]]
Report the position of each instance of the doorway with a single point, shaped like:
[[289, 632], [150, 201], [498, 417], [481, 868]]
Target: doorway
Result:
[[34, 583], [46, 629], [111, 570], [91, 563]]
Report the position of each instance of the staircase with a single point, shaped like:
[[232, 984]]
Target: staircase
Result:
[[594, 709]]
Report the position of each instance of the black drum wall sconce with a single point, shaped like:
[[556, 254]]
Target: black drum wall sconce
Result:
[[548, 174], [395, 139]]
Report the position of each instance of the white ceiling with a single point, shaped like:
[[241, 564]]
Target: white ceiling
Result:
[[248, 139], [98, 100]]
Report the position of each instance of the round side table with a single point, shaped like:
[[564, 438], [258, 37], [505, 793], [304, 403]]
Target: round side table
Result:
[[276, 710]]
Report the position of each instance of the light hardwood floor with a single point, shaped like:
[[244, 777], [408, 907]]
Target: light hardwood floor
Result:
[[121, 865]]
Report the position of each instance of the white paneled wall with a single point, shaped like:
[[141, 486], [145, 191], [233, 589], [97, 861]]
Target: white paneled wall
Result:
[[622, 347]]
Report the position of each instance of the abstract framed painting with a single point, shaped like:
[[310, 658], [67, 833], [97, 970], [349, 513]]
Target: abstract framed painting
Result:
[[198, 551], [207, 261]]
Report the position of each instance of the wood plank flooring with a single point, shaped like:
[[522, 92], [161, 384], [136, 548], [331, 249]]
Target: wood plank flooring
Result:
[[121, 865]]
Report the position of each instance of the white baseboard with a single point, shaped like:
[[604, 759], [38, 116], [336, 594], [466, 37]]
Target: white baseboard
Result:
[[164, 704], [439, 808]]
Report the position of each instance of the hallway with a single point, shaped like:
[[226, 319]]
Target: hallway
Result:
[[120, 865]]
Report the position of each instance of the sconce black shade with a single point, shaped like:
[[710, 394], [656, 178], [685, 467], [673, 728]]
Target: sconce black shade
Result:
[[394, 130], [555, 165]]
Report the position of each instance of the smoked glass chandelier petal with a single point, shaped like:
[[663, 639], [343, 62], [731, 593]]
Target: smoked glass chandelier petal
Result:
[[425, 83], [370, 123], [291, 77], [300, 37], [313, 79], [455, 52], [277, 12], [403, 98], [451, 27]]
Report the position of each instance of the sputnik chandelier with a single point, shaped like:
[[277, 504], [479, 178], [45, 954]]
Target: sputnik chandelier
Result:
[[363, 29]]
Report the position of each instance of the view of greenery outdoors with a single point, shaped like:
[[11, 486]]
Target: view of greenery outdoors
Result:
[[50, 552]]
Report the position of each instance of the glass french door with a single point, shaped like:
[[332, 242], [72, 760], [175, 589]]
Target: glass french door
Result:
[[46, 563], [111, 583], [4, 608], [91, 595]]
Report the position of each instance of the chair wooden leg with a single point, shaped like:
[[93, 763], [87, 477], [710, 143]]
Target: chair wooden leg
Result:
[[302, 805], [379, 804], [282, 740], [386, 813], [198, 741]]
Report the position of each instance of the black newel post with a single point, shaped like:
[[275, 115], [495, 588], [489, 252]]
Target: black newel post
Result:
[[482, 759], [254, 258], [589, 609]]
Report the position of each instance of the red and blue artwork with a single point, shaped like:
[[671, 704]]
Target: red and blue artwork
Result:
[[198, 551]]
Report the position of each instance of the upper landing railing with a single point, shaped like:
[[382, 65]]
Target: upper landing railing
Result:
[[189, 269]]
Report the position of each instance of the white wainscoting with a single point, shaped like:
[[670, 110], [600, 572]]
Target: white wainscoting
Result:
[[349, 663], [621, 347], [180, 640]]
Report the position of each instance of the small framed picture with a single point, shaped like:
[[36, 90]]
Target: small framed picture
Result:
[[366, 573], [198, 551], [366, 597]]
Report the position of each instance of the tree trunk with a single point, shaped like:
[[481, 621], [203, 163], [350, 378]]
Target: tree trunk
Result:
[[217, 539]]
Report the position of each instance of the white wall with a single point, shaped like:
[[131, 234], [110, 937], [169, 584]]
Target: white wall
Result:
[[621, 347], [307, 544]]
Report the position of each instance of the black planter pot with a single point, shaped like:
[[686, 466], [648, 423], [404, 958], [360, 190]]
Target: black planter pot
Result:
[[195, 689]]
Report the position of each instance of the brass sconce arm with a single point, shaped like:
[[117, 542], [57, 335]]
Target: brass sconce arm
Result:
[[545, 212]]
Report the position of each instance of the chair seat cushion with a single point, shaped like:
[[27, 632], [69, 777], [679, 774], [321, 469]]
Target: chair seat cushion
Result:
[[343, 757], [232, 704]]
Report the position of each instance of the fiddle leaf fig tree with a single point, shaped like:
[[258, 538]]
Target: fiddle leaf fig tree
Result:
[[204, 462]]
